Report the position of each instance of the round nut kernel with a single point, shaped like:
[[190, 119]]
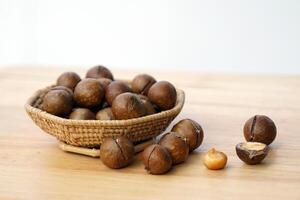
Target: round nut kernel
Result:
[[214, 159]]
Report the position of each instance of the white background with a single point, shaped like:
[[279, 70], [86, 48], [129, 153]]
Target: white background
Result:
[[254, 36]]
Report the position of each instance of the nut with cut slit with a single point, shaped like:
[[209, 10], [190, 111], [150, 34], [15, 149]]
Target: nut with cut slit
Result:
[[157, 159], [252, 153], [117, 153], [142, 83], [260, 128], [191, 130], [177, 146]]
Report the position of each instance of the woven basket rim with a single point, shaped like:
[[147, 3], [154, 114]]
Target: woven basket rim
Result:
[[46, 116]]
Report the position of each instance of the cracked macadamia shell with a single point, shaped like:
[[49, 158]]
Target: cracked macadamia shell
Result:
[[260, 128], [116, 153], [142, 83], [177, 146], [58, 102], [128, 106], [114, 89], [99, 72], [68, 79], [82, 114], [105, 114], [163, 94], [252, 153], [88, 93], [191, 130], [157, 159]]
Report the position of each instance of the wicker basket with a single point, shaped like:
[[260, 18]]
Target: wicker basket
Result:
[[90, 133]]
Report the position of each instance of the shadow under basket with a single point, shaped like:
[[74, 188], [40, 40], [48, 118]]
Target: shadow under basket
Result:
[[91, 133]]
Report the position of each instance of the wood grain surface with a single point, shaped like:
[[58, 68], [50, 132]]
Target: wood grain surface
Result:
[[33, 167]]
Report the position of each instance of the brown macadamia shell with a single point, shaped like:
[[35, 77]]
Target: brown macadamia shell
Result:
[[104, 82], [260, 128], [142, 83], [128, 106], [191, 130], [88, 93], [177, 146], [99, 72], [157, 159], [105, 114], [114, 89], [163, 94], [117, 153], [68, 79], [82, 114], [63, 88], [58, 102], [150, 109]]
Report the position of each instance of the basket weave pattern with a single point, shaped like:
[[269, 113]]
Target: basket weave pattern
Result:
[[90, 133]]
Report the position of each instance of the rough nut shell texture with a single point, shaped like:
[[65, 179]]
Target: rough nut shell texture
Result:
[[88, 93], [117, 153], [157, 159], [176, 145], [191, 130], [163, 94], [260, 128]]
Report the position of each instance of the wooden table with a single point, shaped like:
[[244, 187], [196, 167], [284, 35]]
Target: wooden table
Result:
[[33, 167]]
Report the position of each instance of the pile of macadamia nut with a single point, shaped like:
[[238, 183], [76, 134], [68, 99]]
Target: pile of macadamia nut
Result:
[[173, 148], [100, 97]]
